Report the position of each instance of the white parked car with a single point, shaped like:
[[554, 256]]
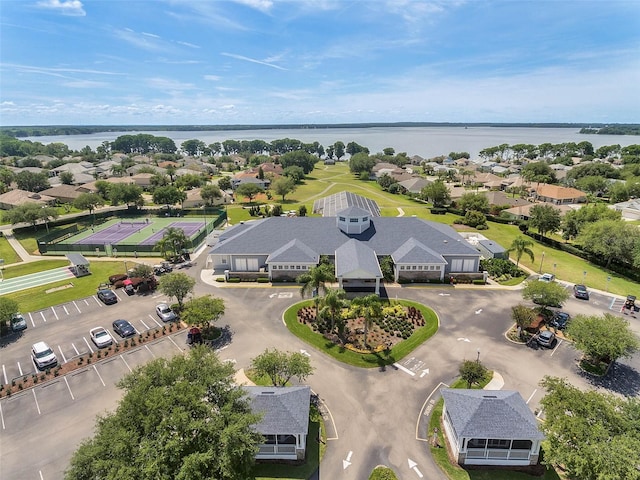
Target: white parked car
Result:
[[101, 337], [43, 356], [547, 278], [165, 313]]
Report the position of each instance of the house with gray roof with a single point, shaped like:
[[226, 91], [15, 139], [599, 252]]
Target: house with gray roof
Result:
[[285, 421], [490, 427], [354, 241]]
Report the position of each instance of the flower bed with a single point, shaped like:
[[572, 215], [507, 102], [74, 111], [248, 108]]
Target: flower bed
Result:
[[33, 379]]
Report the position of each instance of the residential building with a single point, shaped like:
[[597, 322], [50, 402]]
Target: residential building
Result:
[[557, 195]]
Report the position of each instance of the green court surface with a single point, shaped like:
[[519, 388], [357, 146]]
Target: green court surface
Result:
[[145, 231]]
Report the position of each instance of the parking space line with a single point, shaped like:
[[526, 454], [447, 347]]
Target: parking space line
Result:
[[98, 373], [54, 313], [554, 350], [2, 416], [86, 302], [69, 388], [125, 362], [145, 325], [76, 305], [98, 301], [42, 315], [40, 472], [157, 323], [65, 309], [119, 299], [147, 347], [33, 390], [177, 346], [4, 373], [74, 347], [529, 399], [89, 346], [64, 359], [20, 369], [32, 322]]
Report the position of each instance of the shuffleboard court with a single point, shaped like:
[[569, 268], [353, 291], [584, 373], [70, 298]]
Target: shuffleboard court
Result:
[[35, 280]]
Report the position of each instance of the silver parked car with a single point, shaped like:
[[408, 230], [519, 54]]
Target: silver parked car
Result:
[[165, 313], [546, 338]]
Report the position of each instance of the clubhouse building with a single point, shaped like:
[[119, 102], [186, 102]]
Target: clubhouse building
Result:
[[354, 238]]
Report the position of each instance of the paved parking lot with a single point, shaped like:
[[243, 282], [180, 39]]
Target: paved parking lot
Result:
[[376, 415]]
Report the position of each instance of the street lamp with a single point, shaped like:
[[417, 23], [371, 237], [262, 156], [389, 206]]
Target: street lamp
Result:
[[608, 280], [478, 357], [584, 277], [541, 262]]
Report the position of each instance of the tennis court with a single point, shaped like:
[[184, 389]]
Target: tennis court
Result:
[[143, 231]]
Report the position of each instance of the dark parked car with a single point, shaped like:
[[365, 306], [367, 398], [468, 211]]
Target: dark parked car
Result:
[[580, 291], [123, 328], [560, 320], [107, 297], [546, 338]]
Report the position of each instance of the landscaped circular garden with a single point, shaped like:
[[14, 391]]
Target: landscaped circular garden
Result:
[[392, 331]]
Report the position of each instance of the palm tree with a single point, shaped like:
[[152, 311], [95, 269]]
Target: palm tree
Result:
[[176, 238], [370, 307], [520, 246], [332, 304], [314, 282]]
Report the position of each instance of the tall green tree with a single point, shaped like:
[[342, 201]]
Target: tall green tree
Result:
[[281, 367], [603, 338], [283, 187], [611, 240], [203, 310], [520, 246], [545, 294], [249, 190], [32, 182], [66, 178], [8, 307], [472, 371], [183, 418], [314, 282], [523, 316], [209, 193], [178, 285], [168, 195], [592, 435], [88, 201], [546, 218], [474, 201], [224, 183], [31, 213], [436, 192]]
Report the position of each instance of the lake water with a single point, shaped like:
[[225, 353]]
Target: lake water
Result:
[[424, 141]]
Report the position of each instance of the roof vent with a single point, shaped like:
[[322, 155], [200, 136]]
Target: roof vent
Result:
[[267, 393], [489, 396], [446, 241]]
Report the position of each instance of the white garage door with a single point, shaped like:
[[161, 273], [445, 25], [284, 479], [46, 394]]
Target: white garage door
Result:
[[241, 264]]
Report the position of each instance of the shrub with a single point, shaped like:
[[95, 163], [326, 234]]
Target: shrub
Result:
[[234, 280], [263, 280], [478, 281]]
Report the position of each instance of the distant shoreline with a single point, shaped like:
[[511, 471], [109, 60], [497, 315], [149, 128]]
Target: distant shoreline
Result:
[[49, 130]]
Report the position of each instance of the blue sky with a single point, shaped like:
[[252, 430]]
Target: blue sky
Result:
[[94, 62]]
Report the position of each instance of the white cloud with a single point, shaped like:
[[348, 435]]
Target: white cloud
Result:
[[187, 44], [152, 35], [140, 40], [262, 5], [84, 84], [72, 8], [213, 78]]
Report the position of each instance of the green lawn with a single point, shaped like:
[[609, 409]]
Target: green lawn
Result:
[[7, 253], [36, 298], [350, 357]]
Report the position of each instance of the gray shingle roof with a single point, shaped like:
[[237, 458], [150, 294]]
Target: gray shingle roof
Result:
[[285, 409], [500, 414], [294, 251], [352, 257], [324, 237], [415, 252]]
